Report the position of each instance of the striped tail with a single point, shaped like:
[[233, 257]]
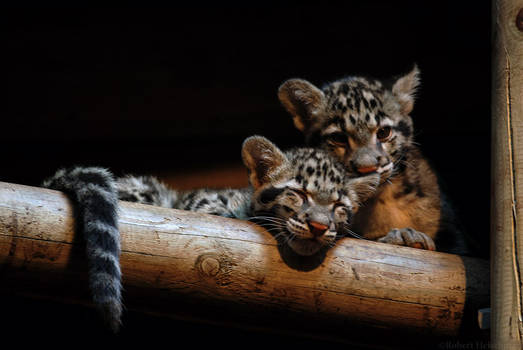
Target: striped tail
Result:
[[95, 199]]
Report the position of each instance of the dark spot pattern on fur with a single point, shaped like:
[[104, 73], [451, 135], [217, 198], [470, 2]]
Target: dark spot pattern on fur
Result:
[[269, 194], [403, 128], [344, 89], [337, 120], [377, 117], [223, 199], [190, 199], [201, 203], [128, 197], [148, 197], [366, 103]]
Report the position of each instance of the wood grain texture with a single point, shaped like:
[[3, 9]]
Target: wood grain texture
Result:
[[186, 264], [507, 170]]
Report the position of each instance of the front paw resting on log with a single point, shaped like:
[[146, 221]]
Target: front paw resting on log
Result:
[[409, 237]]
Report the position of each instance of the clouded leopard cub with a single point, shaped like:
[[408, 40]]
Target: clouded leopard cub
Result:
[[303, 195], [366, 124]]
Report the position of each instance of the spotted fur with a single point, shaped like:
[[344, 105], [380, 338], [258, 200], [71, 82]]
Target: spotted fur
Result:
[[366, 124], [149, 190], [304, 196]]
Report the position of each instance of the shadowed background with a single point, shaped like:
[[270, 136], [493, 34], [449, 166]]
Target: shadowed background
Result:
[[174, 91]]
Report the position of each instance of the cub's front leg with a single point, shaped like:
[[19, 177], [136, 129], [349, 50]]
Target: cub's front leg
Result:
[[408, 237]]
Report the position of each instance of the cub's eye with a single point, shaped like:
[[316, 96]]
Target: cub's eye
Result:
[[384, 133], [338, 138], [301, 194]]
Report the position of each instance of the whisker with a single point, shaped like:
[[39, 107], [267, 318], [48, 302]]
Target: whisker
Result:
[[268, 218], [264, 217], [290, 237], [272, 226], [265, 214], [279, 235], [276, 231], [286, 237], [263, 223], [354, 234], [271, 223]]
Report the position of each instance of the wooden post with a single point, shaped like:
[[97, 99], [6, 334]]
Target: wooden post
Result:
[[507, 174], [186, 263]]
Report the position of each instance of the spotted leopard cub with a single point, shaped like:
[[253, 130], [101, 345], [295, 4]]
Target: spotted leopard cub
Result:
[[303, 195], [366, 125]]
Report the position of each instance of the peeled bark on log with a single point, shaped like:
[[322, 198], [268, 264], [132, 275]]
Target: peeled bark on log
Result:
[[203, 266]]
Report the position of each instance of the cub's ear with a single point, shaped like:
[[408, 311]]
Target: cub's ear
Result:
[[302, 100], [365, 187], [264, 161], [404, 90]]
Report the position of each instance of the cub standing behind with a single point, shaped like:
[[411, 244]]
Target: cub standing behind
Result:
[[366, 125]]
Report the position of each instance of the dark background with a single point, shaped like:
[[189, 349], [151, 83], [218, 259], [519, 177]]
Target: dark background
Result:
[[174, 91]]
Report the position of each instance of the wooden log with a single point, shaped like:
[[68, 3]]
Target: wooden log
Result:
[[507, 172], [186, 263]]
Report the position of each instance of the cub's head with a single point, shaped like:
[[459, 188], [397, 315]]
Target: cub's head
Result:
[[363, 122], [304, 195]]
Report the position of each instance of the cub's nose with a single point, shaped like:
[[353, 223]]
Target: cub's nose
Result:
[[317, 229], [368, 169]]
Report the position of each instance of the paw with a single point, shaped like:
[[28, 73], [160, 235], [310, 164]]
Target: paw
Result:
[[410, 238]]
